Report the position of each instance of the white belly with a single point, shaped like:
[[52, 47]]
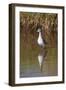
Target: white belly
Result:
[[40, 41]]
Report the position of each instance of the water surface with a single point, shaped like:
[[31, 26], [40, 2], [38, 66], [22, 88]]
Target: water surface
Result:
[[38, 62]]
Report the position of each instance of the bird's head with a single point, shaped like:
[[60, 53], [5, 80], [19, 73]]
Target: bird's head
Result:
[[38, 30]]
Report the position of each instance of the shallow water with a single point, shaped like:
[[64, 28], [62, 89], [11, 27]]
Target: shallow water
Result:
[[38, 62]]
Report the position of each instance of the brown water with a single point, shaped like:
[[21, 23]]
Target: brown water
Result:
[[37, 62]]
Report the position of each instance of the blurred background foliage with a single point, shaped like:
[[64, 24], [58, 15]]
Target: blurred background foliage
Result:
[[29, 22]]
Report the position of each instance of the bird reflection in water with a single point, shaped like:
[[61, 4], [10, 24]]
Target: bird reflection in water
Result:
[[42, 56]]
